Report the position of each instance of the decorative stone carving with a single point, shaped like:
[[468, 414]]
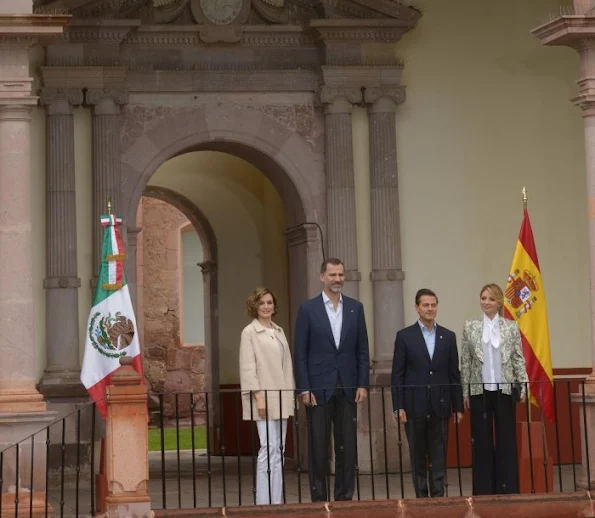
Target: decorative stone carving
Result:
[[220, 12], [69, 96], [375, 93], [117, 95], [328, 94]]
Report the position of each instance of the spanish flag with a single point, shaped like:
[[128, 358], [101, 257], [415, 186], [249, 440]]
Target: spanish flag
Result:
[[524, 301]]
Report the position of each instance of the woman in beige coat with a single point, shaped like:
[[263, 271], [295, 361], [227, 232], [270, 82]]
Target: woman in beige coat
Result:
[[267, 384]]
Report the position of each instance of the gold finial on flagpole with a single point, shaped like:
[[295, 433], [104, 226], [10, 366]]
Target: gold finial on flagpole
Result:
[[109, 205], [524, 191]]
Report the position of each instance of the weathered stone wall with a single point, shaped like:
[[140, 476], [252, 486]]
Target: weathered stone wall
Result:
[[169, 366]]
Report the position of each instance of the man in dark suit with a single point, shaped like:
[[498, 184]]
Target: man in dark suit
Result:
[[332, 365], [426, 390]]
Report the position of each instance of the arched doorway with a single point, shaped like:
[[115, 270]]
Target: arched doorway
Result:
[[294, 166]]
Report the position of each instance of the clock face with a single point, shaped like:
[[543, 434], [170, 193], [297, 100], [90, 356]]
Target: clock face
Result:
[[221, 12]]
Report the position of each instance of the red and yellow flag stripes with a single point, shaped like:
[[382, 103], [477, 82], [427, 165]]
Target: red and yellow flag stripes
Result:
[[525, 302]]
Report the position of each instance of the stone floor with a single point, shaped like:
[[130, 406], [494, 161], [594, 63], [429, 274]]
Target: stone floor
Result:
[[231, 484]]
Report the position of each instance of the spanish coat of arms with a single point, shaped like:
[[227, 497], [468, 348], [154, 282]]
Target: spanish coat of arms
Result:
[[520, 291]]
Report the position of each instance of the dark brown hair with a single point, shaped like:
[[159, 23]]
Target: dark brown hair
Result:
[[331, 260], [422, 292], [254, 301]]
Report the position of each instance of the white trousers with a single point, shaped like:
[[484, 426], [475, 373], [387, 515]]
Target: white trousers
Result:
[[270, 457]]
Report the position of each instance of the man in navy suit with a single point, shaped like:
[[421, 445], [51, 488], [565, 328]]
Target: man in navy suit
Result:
[[426, 390], [332, 374]]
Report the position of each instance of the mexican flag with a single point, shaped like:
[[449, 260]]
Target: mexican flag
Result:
[[111, 329]]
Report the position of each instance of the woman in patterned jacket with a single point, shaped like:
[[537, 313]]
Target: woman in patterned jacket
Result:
[[492, 363]]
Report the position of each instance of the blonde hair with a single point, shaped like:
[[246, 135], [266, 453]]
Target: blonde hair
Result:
[[496, 292], [254, 301]]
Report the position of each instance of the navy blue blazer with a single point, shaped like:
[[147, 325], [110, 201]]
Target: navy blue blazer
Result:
[[421, 385], [318, 362]]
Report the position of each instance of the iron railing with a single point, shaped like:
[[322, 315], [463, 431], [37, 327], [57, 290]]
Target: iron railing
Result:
[[203, 454], [217, 465], [52, 472]]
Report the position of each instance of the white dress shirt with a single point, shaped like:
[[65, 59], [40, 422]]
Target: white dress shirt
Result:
[[492, 357], [335, 316]]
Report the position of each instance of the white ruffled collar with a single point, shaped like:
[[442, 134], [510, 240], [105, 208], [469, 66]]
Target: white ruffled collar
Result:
[[491, 331]]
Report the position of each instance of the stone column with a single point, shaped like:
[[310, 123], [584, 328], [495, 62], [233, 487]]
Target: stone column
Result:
[[340, 182], [62, 372], [106, 104], [387, 278], [387, 274], [211, 308], [22, 408]]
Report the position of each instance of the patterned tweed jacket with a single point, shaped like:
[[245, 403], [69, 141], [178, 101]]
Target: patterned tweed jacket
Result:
[[513, 362]]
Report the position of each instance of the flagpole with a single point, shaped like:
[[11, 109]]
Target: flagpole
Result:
[[525, 199], [109, 205], [527, 396]]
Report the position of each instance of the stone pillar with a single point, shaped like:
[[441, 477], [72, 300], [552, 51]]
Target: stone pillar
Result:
[[106, 104], [126, 441], [211, 308], [22, 408], [130, 266], [578, 32], [387, 274], [340, 182], [62, 372], [387, 278]]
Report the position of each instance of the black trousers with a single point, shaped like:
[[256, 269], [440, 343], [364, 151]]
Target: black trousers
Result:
[[428, 440], [342, 413], [493, 439]]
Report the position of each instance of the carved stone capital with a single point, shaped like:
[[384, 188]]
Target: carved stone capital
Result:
[[343, 97], [208, 267], [353, 275], [107, 98], [301, 234], [375, 95], [387, 275], [60, 101], [61, 282]]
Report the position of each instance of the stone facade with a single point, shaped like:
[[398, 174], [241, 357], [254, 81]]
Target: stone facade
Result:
[[169, 366]]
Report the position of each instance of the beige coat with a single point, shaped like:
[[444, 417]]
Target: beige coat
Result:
[[262, 368]]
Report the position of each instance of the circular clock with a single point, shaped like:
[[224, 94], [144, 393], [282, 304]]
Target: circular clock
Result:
[[221, 12]]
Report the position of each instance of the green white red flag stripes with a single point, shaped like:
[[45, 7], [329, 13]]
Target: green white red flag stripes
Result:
[[111, 329]]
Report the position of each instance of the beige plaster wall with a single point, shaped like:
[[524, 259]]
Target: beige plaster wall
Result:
[[246, 215], [487, 112]]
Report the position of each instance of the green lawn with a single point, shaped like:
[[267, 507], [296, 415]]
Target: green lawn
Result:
[[171, 440]]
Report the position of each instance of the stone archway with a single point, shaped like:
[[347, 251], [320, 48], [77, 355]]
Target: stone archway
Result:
[[292, 160]]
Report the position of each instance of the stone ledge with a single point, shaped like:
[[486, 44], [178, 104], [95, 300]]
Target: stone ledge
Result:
[[558, 505]]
